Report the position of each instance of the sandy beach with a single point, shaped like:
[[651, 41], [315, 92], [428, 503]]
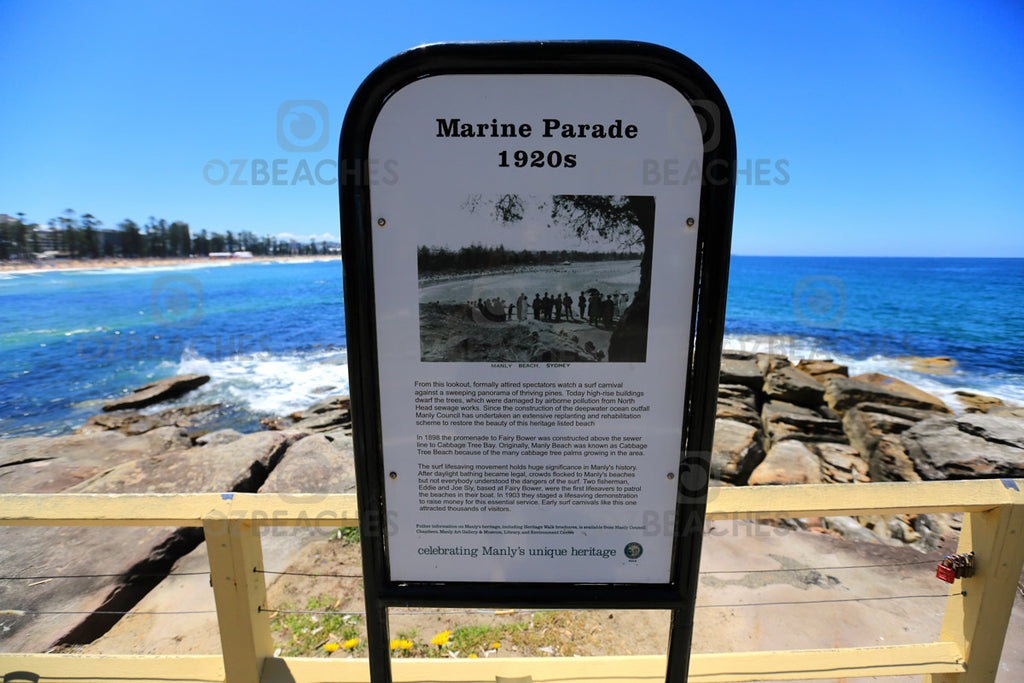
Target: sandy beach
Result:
[[452, 329], [91, 264]]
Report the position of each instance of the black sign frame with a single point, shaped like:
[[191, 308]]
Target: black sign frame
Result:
[[704, 348]]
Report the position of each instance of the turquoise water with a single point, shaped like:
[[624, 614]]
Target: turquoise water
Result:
[[272, 336]]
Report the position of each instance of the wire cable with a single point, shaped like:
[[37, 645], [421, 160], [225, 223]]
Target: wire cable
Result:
[[100, 576]]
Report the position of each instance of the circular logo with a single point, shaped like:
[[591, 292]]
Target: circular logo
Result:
[[633, 550]]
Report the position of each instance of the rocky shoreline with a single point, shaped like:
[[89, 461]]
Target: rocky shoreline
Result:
[[777, 423], [123, 450], [810, 423]]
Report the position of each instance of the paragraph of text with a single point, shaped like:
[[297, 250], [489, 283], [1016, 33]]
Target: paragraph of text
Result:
[[445, 487], [525, 404]]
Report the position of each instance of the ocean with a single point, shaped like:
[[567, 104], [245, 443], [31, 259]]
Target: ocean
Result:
[[272, 335]]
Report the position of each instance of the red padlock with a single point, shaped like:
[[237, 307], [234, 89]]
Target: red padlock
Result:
[[946, 573]]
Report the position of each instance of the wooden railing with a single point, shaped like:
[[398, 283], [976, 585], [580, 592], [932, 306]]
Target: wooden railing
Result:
[[968, 648]]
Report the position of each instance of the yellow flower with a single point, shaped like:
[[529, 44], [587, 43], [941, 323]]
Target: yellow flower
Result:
[[401, 644], [441, 638], [331, 647], [351, 643], [495, 645], [472, 657]]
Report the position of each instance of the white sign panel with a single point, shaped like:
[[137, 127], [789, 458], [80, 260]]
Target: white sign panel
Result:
[[533, 273]]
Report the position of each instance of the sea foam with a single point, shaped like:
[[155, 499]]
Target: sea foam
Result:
[[269, 384]]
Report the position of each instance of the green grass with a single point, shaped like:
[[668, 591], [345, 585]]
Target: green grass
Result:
[[304, 635], [348, 534]]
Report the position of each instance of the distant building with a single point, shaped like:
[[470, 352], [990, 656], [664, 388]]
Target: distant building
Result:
[[48, 240]]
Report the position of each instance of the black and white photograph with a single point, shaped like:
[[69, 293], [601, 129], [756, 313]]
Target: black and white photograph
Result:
[[563, 278]]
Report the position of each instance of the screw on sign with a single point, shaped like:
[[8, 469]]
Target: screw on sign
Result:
[[953, 567]]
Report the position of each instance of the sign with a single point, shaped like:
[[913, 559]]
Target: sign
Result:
[[538, 296], [533, 365]]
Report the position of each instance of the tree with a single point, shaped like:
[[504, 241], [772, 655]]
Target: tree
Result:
[[216, 243], [179, 239], [247, 241], [626, 220], [69, 227], [201, 244], [22, 235], [131, 238], [90, 240], [151, 241]]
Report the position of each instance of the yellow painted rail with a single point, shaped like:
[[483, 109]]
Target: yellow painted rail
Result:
[[968, 649]]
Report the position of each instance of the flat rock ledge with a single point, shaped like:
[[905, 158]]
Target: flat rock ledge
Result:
[[158, 391]]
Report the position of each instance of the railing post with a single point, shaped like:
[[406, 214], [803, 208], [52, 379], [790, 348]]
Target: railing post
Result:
[[977, 621], [239, 592]]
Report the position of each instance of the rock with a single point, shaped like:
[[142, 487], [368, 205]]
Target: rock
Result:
[[901, 412], [864, 426], [841, 394], [241, 465], [331, 403], [736, 451], [840, 463], [330, 414], [118, 551], [889, 461], [969, 447], [1006, 411], [827, 412], [934, 530], [977, 403], [740, 412], [788, 462], [139, 423], [219, 437], [315, 464], [935, 365], [900, 530], [737, 354], [821, 369], [155, 392], [850, 529], [325, 422], [793, 386], [276, 424], [928, 401], [52, 464], [127, 423], [784, 421], [769, 362], [993, 428], [742, 372], [739, 393], [888, 529]]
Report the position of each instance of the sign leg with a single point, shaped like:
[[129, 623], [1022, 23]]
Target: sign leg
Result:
[[680, 635]]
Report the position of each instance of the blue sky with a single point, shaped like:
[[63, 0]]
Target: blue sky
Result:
[[901, 125]]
